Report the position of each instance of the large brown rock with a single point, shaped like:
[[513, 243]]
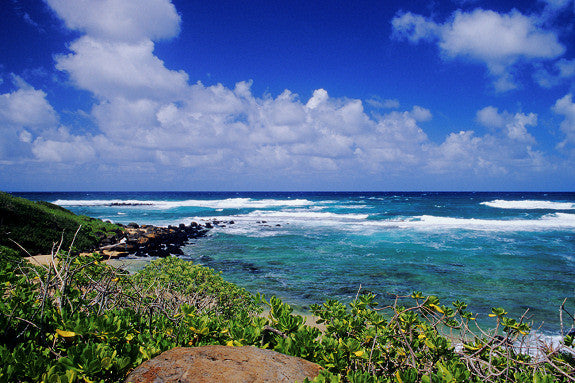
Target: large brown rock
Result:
[[209, 364]]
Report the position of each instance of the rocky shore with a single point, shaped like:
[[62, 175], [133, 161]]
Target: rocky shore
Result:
[[152, 241]]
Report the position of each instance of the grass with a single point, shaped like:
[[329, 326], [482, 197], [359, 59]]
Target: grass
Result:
[[38, 226]]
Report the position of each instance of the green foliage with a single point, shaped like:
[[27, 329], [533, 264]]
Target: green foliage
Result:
[[37, 226], [178, 282], [362, 343], [81, 320]]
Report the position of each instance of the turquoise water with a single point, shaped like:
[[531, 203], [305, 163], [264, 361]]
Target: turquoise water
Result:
[[511, 250]]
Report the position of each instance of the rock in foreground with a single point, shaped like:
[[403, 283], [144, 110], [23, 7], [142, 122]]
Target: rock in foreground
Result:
[[209, 364]]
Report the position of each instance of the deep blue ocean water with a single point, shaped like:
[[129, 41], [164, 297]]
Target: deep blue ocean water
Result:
[[511, 250]]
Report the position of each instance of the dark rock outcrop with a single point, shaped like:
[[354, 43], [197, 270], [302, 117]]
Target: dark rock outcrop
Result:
[[223, 364], [147, 240]]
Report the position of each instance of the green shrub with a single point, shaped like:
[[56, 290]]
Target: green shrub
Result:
[[38, 226], [82, 320], [175, 281]]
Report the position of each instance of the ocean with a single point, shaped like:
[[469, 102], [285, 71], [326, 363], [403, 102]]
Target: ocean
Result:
[[510, 250]]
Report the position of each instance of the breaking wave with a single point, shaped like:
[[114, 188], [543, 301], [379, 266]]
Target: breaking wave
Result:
[[530, 205], [229, 203]]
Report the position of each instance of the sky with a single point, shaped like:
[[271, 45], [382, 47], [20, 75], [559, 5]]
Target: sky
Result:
[[273, 95]]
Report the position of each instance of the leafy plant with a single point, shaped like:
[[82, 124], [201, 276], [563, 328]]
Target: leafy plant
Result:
[[79, 319]]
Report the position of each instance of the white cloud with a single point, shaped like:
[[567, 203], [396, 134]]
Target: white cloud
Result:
[[117, 69], [120, 20], [561, 70], [379, 103], [421, 114], [554, 7], [514, 126], [151, 120], [26, 108], [499, 41], [72, 149], [115, 56], [490, 117], [319, 97], [489, 155], [566, 107], [508, 148], [414, 28], [24, 112]]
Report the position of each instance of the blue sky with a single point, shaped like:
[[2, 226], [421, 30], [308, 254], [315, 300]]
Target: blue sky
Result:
[[287, 95]]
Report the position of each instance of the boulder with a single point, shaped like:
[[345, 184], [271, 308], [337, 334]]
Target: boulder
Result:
[[151, 240], [143, 240], [223, 364]]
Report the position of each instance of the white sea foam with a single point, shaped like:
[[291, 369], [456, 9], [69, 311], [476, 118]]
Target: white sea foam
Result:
[[547, 222], [536, 345], [229, 203], [263, 223], [307, 215], [97, 202], [530, 205]]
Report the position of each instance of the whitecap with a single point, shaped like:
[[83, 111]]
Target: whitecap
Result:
[[547, 222], [306, 215], [530, 205], [229, 203]]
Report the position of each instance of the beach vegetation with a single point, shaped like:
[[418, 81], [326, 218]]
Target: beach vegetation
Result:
[[80, 319], [36, 227]]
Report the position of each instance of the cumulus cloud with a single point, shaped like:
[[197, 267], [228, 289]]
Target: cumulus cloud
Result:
[[507, 148], [152, 118], [24, 112], [115, 56], [73, 149], [497, 40], [490, 154], [566, 108], [120, 20], [114, 69], [514, 126], [26, 107]]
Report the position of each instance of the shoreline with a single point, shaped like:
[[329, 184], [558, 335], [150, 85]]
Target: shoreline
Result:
[[134, 243]]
